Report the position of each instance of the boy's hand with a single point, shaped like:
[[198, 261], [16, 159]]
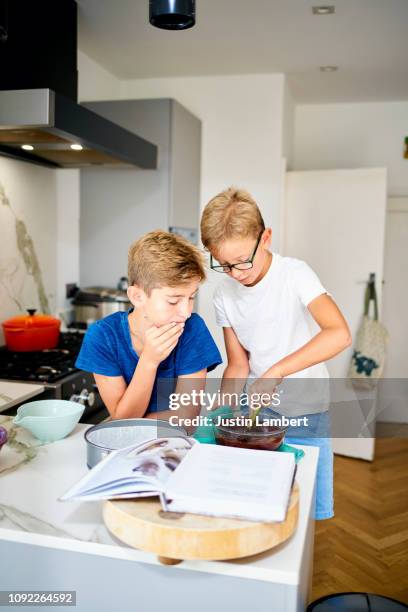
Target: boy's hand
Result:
[[160, 341], [261, 391]]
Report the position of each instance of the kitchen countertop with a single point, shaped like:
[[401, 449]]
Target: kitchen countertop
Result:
[[12, 393], [33, 476]]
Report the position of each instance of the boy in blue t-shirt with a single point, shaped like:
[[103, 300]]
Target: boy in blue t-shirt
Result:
[[159, 338]]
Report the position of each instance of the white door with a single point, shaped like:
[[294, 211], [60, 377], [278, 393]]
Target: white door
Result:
[[395, 309], [335, 221]]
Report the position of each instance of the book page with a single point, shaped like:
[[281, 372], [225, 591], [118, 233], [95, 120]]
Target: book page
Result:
[[136, 470], [225, 481]]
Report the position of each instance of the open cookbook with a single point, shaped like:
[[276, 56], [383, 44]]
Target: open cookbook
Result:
[[192, 477]]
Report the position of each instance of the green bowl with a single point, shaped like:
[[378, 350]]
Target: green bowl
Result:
[[49, 420]]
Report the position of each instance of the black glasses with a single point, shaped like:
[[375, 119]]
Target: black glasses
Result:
[[242, 265]]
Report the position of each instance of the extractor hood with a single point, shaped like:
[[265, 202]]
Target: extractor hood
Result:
[[50, 123], [40, 119]]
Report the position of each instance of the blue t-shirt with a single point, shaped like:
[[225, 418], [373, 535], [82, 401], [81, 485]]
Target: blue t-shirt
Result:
[[107, 349]]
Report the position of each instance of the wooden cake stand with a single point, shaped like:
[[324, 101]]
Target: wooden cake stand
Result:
[[174, 537]]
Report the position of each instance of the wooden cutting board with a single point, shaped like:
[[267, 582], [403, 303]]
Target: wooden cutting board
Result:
[[175, 537]]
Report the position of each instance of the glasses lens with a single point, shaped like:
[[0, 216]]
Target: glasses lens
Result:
[[220, 268], [245, 265]]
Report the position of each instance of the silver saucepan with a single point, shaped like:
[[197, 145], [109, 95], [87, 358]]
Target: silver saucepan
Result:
[[108, 436], [94, 303]]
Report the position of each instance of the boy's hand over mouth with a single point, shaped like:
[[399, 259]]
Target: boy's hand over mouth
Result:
[[160, 341]]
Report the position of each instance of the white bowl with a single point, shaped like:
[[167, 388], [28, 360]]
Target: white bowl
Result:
[[49, 420]]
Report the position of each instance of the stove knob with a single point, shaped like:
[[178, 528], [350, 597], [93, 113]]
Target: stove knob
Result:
[[90, 397], [84, 398]]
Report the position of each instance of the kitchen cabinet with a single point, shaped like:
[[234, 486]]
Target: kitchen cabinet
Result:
[[66, 546], [119, 205], [185, 157]]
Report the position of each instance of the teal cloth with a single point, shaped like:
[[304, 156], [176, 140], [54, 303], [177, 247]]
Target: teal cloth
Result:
[[287, 448], [205, 433]]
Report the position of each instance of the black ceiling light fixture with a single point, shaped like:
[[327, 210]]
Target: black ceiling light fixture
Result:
[[172, 14]]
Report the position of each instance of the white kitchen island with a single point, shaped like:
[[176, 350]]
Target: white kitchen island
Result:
[[50, 545]]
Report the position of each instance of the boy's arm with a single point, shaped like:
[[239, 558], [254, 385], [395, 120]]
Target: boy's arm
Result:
[[238, 365], [191, 384], [127, 401], [237, 370], [333, 338]]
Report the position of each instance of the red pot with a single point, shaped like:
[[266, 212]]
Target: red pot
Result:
[[31, 332]]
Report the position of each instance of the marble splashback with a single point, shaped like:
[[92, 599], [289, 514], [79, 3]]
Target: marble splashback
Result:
[[28, 222], [21, 275]]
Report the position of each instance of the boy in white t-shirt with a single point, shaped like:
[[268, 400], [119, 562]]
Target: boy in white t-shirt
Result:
[[267, 305]]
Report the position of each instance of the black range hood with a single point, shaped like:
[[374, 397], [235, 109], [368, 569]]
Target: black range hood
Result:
[[38, 94]]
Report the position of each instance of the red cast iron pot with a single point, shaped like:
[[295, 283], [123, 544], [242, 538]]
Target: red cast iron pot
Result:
[[31, 332]]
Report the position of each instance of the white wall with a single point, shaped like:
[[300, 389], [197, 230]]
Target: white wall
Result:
[[288, 126], [94, 82], [242, 136], [67, 234], [242, 125], [329, 136]]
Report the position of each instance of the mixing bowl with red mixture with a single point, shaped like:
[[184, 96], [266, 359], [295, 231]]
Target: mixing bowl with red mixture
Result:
[[261, 437]]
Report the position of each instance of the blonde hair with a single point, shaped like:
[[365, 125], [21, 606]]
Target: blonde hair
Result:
[[233, 213], [161, 259]]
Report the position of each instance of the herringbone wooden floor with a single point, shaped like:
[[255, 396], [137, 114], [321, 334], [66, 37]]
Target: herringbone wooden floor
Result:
[[365, 546]]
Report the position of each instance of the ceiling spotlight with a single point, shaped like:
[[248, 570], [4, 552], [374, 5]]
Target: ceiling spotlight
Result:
[[27, 147], [323, 10], [328, 68], [76, 147], [172, 14]]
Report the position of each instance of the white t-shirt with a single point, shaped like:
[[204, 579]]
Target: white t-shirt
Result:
[[271, 320]]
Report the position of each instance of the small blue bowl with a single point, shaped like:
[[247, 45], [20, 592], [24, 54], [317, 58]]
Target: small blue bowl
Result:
[[49, 420]]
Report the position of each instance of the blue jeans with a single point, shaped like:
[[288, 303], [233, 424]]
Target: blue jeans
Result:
[[324, 480], [319, 432]]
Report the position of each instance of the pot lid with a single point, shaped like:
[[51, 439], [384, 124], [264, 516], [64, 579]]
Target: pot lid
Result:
[[101, 294], [31, 320]]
